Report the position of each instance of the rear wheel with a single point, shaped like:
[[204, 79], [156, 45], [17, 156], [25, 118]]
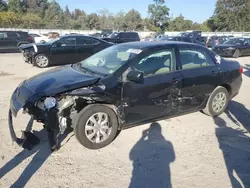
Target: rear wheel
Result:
[[237, 53], [217, 102], [41, 61], [96, 127]]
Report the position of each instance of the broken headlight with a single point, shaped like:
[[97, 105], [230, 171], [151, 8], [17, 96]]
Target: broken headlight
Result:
[[49, 102]]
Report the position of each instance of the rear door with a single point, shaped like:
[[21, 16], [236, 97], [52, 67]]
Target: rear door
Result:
[[64, 51], [200, 75], [86, 47], [12, 40]]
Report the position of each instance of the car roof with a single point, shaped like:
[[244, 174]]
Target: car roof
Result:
[[153, 44]]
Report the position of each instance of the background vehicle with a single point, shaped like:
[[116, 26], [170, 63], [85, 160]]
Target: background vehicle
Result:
[[122, 37], [215, 40], [184, 39], [10, 40], [126, 85], [38, 38], [67, 49], [234, 47]]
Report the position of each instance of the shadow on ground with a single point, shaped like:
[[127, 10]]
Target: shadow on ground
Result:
[[235, 145], [151, 157], [239, 114], [41, 154]]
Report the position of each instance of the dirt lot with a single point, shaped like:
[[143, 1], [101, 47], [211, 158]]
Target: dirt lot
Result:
[[188, 151]]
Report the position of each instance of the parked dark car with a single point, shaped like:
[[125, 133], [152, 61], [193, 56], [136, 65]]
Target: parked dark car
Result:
[[122, 37], [184, 39], [126, 85], [234, 47], [11, 40], [215, 40], [67, 49]]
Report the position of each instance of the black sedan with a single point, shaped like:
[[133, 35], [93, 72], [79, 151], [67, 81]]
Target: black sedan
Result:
[[64, 50], [234, 47], [123, 86]]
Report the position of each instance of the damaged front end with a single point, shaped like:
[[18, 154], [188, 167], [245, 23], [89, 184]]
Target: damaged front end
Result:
[[56, 113]]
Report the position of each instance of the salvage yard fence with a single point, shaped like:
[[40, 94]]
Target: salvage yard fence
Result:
[[142, 34]]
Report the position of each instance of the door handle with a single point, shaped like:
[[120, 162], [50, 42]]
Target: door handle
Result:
[[214, 73], [174, 80]]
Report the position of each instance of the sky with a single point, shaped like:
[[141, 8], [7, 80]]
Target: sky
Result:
[[195, 10]]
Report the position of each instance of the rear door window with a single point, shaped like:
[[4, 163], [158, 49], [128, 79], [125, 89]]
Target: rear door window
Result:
[[86, 41], [192, 58], [12, 35]]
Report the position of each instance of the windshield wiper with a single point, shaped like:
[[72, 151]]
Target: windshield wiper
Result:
[[90, 71]]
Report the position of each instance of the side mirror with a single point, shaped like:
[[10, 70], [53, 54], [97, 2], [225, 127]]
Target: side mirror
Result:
[[135, 76]]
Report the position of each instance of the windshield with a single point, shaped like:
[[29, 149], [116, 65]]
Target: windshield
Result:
[[109, 60], [112, 35], [235, 41]]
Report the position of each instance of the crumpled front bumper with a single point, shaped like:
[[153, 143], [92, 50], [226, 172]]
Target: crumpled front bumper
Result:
[[20, 98], [28, 140]]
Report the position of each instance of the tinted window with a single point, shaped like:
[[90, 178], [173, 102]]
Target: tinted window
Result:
[[86, 41], [23, 34], [157, 63], [12, 34], [70, 41], [194, 58], [2, 35], [186, 39]]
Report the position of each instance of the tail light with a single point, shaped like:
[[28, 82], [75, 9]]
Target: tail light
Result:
[[216, 42], [241, 70], [31, 39]]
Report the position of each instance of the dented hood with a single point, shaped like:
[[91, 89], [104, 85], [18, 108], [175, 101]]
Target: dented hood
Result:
[[49, 83]]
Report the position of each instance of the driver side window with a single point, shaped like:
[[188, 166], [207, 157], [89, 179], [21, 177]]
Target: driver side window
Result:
[[160, 62]]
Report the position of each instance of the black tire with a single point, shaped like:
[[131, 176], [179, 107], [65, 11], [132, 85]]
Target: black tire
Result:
[[237, 53], [209, 109], [18, 45], [41, 65], [84, 115]]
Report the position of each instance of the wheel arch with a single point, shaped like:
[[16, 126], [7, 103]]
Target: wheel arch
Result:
[[228, 87]]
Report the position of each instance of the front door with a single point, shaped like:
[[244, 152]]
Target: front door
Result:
[[200, 75], [64, 51], [158, 96]]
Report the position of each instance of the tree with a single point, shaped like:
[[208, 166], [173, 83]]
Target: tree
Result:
[[119, 22], [180, 24], [231, 15], [106, 19], [31, 20], [37, 6], [17, 6], [3, 6], [93, 21], [133, 20], [159, 14], [54, 16]]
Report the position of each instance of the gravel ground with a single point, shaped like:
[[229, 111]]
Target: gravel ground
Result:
[[188, 151]]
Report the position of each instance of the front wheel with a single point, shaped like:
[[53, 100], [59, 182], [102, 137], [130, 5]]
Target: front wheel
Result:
[[217, 102], [96, 127], [41, 61]]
